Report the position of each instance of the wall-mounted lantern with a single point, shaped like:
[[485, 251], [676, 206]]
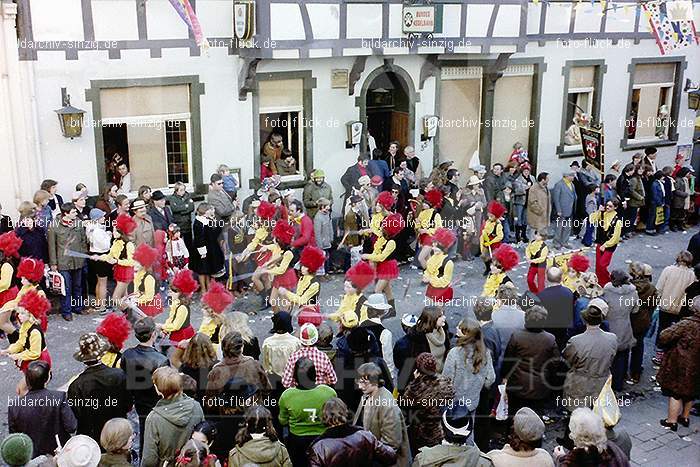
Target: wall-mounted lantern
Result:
[[430, 126], [70, 118], [353, 135], [693, 90]]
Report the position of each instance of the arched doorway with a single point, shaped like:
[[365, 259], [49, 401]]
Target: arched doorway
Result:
[[388, 109]]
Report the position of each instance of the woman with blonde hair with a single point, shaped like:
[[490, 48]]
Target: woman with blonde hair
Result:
[[239, 323], [116, 439], [469, 366]]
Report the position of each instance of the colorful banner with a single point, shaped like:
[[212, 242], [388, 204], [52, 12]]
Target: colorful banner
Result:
[[593, 146], [186, 12], [671, 35]]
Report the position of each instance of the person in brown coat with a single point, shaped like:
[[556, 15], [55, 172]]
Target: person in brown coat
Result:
[[530, 362], [679, 375], [425, 398], [539, 205], [343, 444], [641, 320]]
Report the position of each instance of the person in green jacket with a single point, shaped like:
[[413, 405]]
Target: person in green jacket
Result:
[[116, 438], [182, 206], [257, 442], [300, 409], [172, 420]]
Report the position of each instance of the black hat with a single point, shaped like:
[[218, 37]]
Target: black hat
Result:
[[281, 323], [574, 164], [157, 195]]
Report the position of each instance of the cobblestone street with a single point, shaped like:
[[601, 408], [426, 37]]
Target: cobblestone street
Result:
[[652, 444]]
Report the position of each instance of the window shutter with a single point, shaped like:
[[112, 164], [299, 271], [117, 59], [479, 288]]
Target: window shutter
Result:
[[284, 93], [145, 100], [654, 73], [582, 77]]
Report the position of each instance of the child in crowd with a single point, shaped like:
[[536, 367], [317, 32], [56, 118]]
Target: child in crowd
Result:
[[491, 233], [536, 253], [591, 207], [505, 258], [178, 255], [115, 328], [178, 326], [323, 230], [230, 184]]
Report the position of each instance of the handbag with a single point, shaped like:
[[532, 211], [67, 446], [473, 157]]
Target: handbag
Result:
[[605, 406], [659, 215]]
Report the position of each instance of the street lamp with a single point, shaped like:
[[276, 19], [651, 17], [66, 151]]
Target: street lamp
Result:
[[70, 118]]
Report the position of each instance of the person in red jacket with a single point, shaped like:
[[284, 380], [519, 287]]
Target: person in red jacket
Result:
[[303, 228]]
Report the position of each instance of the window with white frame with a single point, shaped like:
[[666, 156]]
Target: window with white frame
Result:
[[148, 127], [579, 100], [651, 104], [281, 122]]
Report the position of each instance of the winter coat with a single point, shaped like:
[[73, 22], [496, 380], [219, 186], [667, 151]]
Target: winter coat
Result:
[[671, 286], [312, 193], [693, 248], [493, 184], [54, 411], [679, 374], [408, 348], [622, 187], [668, 190], [34, 243], [168, 427], [509, 457], [590, 357], [114, 460], [539, 208], [243, 367], [62, 238], [382, 416], [647, 303], [451, 455], [681, 193], [564, 198], [161, 221], [459, 367], [637, 194], [657, 193], [182, 208], [144, 232], [261, 452], [323, 230], [611, 457], [99, 382], [304, 233], [622, 302], [138, 364], [469, 212], [529, 363], [222, 204], [520, 188], [423, 401], [349, 446]]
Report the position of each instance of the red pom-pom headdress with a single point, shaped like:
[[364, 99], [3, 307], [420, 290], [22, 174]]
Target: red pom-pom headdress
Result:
[[434, 198], [115, 328], [184, 282], [266, 210], [10, 244], [393, 224], [386, 200], [31, 269], [283, 232], [37, 305], [145, 255], [579, 263], [496, 208], [125, 224], [506, 256], [444, 237], [217, 298], [312, 257], [361, 275]]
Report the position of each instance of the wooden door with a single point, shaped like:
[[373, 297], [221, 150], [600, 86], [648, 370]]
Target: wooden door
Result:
[[399, 127]]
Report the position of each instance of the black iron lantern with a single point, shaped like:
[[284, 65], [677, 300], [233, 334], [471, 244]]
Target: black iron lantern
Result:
[[694, 100], [70, 118]]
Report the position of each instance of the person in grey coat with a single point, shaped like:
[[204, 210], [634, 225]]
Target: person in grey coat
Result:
[[564, 201], [494, 182], [590, 356], [323, 231], [68, 234], [622, 299], [219, 199]]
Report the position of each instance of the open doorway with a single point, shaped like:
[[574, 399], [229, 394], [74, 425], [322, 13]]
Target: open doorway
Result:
[[388, 110]]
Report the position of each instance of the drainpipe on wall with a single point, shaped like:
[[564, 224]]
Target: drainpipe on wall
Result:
[[491, 74]]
